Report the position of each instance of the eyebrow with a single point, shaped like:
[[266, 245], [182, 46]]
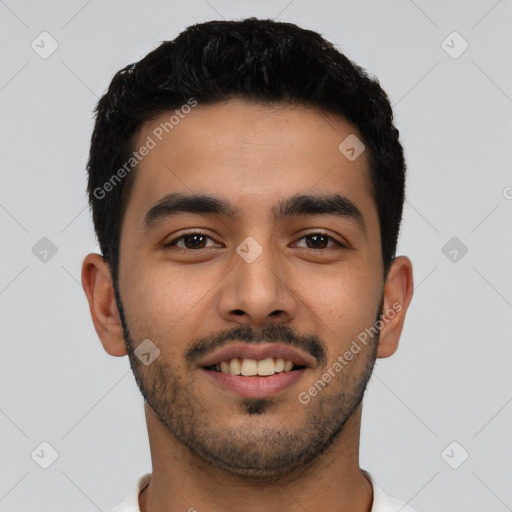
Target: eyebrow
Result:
[[297, 205]]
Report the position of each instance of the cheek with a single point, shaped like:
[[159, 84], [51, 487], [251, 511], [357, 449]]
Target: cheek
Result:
[[163, 302], [349, 288], [343, 304]]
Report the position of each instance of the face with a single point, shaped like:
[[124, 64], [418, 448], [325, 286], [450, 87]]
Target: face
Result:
[[261, 278]]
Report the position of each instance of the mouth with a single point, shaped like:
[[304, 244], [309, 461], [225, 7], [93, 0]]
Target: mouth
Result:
[[256, 371], [253, 367]]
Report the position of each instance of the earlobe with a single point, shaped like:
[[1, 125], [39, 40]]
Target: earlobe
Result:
[[398, 291], [98, 288]]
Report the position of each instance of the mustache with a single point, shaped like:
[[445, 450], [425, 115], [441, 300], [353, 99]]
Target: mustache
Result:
[[310, 343]]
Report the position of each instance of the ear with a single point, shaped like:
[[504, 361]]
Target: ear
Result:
[[398, 290], [97, 285]]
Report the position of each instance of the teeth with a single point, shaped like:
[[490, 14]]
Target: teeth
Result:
[[266, 366], [251, 367], [279, 365], [234, 367]]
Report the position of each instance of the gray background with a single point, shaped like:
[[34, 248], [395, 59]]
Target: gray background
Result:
[[449, 381]]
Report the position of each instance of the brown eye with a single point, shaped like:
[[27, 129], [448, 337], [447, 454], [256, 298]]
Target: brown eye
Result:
[[320, 240], [190, 241]]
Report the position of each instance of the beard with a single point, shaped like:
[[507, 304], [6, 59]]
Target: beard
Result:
[[256, 451]]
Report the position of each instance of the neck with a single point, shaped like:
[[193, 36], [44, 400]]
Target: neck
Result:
[[182, 481]]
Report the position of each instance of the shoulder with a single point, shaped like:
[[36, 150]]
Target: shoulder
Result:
[[131, 502], [385, 503]]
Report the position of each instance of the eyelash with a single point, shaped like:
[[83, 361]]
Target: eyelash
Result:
[[313, 233]]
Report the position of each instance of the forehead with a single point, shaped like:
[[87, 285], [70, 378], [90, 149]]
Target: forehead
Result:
[[252, 154]]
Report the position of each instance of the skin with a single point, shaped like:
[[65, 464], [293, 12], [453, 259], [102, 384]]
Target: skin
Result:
[[254, 156]]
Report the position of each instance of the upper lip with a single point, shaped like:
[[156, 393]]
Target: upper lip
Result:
[[259, 351]]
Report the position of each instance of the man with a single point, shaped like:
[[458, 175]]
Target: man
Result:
[[246, 184]]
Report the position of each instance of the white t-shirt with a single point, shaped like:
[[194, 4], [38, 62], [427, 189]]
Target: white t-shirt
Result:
[[381, 501]]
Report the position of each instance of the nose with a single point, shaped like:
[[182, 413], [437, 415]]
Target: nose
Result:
[[258, 292]]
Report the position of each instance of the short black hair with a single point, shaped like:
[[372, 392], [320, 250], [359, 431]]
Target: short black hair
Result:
[[259, 60]]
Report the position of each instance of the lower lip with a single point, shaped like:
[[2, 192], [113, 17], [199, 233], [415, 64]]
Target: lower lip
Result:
[[256, 387]]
